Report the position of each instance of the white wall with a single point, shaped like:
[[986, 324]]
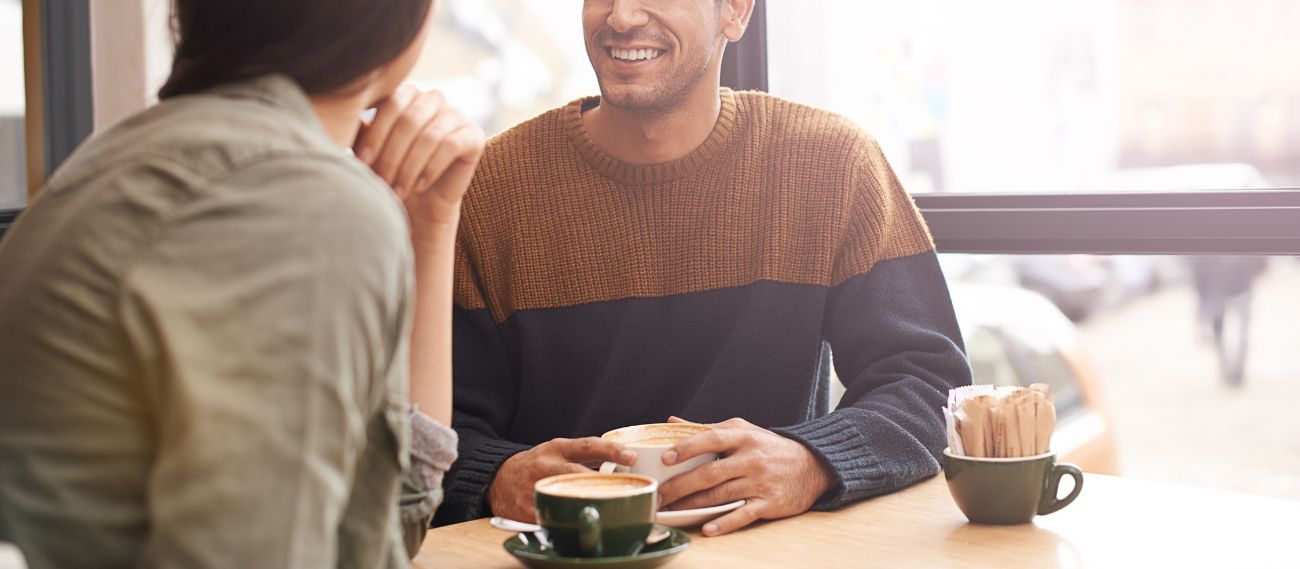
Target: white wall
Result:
[[131, 52]]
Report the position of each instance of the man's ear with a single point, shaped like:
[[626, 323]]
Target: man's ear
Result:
[[735, 18]]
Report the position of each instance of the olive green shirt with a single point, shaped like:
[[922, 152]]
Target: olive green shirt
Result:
[[203, 348]]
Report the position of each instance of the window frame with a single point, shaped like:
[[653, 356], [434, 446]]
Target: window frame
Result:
[[66, 80], [1222, 222], [57, 73]]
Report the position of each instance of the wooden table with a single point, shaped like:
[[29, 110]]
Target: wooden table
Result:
[[1116, 522]]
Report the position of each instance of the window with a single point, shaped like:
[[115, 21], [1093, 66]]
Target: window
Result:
[[505, 61], [13, 157], [1053, 147], [1183, 367], [1056, 149], [1093, 170], [45, 66], [1052, 96]]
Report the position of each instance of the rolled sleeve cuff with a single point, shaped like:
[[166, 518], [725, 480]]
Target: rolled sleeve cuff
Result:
[[433, 448]]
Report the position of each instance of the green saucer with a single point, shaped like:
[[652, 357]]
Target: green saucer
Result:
[[534, 556]]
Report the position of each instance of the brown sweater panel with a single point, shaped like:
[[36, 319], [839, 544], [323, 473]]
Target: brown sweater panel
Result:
[[778, 192]]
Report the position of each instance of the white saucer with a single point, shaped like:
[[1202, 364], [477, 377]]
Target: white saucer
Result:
[[696, 517]]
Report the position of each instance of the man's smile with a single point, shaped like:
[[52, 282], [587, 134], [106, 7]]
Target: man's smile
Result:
[[635, 55]]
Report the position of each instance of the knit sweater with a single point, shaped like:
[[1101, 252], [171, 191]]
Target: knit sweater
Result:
[[593, 294]]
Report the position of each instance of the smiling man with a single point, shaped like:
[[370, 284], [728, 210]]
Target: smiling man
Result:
[[673, 248]]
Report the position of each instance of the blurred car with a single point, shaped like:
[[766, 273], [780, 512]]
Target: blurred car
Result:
[[1017, 337], [1076, 284], [1079, 285]]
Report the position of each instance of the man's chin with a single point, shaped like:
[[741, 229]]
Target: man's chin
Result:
[[631, 97]]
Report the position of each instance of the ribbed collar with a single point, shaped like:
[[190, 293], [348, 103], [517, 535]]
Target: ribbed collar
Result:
[[643, 174]]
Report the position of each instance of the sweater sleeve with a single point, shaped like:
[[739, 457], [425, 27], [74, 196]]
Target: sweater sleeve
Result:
[[484, 400], [896, 346]]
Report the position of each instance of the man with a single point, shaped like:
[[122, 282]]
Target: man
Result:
[[1224, 284], [672, 248]]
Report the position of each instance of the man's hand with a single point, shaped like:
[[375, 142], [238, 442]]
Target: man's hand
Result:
[[511, 493], [425, 150], [778, 477]]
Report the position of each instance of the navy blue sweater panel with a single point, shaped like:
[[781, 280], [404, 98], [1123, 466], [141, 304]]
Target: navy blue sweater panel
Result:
[[753, 351]]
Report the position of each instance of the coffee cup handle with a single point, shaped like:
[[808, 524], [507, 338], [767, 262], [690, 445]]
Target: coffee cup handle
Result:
[[1051, 503], [589, 532], [608, 467]]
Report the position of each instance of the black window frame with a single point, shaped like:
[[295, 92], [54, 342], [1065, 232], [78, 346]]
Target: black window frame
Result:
[[1224, 222], [66, 74]]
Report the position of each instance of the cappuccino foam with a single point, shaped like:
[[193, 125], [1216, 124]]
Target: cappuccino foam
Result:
[[595, 486], [663, 434]]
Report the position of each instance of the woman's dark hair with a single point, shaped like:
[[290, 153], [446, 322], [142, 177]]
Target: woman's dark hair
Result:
[[324, 45]]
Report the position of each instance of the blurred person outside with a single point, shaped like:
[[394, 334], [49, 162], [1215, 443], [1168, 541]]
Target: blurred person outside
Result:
[[1223, 294]]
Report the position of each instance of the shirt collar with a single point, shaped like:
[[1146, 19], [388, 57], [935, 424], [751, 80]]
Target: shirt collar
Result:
[[281, 92]]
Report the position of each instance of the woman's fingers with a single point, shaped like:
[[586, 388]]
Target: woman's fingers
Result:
[[452, 165], [371, 138], [402, 137], [423, 148]]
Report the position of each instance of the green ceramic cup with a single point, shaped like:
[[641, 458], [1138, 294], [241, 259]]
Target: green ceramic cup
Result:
[[1008, 490], [596, 514]]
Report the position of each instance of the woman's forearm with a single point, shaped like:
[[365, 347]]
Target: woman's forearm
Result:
[[430, 389]]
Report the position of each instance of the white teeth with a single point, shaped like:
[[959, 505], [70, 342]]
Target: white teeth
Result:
[[634, 54]]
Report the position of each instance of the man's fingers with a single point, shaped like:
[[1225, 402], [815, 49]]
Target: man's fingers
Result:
[[526, 511], [717, 440], [372, 137], [729, 423], [741, 517], [701, 479], [573, 468], [725, 493], [595, 448]]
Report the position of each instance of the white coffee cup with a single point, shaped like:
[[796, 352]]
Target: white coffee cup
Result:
[[649, 442]]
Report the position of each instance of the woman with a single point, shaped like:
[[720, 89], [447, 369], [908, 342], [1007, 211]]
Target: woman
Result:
[[207, 313]]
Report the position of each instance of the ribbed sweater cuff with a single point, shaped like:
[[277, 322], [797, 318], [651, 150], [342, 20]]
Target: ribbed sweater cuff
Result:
[[467, 489], [840, 441]]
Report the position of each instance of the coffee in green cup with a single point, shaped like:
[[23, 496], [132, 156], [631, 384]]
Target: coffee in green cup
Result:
[[1008, 490], [597, 514]]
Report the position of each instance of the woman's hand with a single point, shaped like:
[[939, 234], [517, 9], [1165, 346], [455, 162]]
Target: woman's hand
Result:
[[425, 150]]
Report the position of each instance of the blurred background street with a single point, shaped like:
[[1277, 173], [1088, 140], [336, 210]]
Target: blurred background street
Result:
[[1175, 419]]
